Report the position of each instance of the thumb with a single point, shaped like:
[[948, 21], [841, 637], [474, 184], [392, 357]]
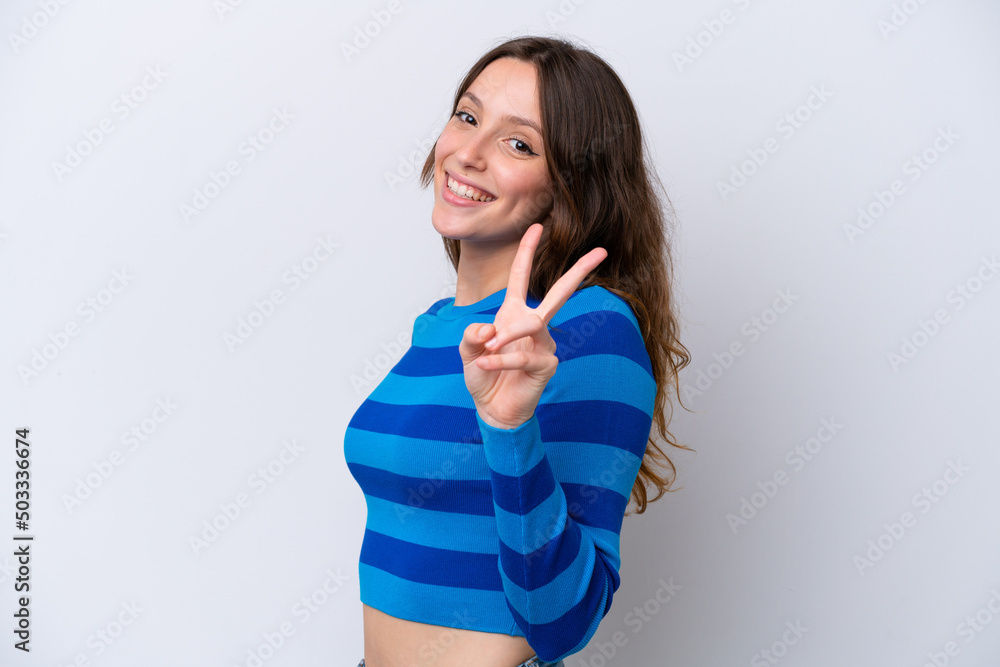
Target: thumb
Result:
[[473, 343]]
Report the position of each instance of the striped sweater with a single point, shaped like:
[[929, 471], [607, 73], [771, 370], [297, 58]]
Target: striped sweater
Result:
[[512, 531]]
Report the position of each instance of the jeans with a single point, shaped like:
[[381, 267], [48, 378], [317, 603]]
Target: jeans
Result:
[[533, 661]]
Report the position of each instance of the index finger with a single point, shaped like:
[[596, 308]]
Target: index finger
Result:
[[563, 288]]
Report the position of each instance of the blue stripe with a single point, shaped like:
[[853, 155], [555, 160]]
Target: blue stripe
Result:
[[437, 305], [593, 464], [522, 494], [438, 458], [581, 336], [559, 638], [615, 580], [572, 385], [471, 609], [549, 602], [406, 390], [620, 379], [607, 422], [455, 531], [428, 422], [610, 333], [623, 425], [463, 496], [595, 505], [429, 361], [544, 564], [430, 565]]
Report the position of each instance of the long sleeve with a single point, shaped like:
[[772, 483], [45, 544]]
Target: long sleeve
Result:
[[561, 482]]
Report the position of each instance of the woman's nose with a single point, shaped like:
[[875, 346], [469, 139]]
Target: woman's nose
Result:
[[473, 151]]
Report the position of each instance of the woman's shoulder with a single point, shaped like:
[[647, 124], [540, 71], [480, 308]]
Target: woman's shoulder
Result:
[[598, 333], [595, 302], [438, 305], [595, 320]]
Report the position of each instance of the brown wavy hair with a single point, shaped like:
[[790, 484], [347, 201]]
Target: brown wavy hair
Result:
[[603, 193]]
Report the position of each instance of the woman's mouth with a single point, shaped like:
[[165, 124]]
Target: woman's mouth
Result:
[[465, 192]]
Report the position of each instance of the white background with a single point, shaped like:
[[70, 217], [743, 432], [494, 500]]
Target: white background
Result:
[[326, 175]]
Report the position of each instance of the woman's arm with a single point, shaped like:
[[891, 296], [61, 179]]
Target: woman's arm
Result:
[[562, 479]]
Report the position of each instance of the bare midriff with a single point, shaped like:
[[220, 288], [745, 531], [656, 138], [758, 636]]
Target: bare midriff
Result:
[[397, 642]]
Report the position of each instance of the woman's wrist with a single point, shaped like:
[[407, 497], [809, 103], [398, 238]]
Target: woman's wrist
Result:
[[489, 421]]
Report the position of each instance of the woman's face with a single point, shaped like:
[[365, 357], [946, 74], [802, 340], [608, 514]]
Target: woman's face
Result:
[[490, 144]]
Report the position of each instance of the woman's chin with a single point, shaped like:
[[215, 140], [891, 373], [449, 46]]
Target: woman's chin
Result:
[[446, 226]]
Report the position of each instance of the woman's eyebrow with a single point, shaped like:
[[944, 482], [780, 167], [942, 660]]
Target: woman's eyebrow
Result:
[[517, 120]]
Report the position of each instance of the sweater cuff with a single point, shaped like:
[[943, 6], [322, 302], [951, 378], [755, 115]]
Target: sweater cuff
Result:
[[514, 451]]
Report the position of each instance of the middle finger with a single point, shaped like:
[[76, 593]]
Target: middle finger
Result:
[[563, 288]]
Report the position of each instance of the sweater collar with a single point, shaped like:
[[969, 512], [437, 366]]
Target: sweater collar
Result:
[[449, 311]]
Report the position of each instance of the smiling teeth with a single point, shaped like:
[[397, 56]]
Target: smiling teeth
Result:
[[463, 190]]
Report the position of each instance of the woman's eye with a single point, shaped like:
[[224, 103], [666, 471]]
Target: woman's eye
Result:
[[526, 148], [461, 113]]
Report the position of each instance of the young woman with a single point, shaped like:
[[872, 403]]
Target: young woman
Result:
[[499, 454]]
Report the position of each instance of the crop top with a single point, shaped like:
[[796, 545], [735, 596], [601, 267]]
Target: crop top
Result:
[[512, 531]]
